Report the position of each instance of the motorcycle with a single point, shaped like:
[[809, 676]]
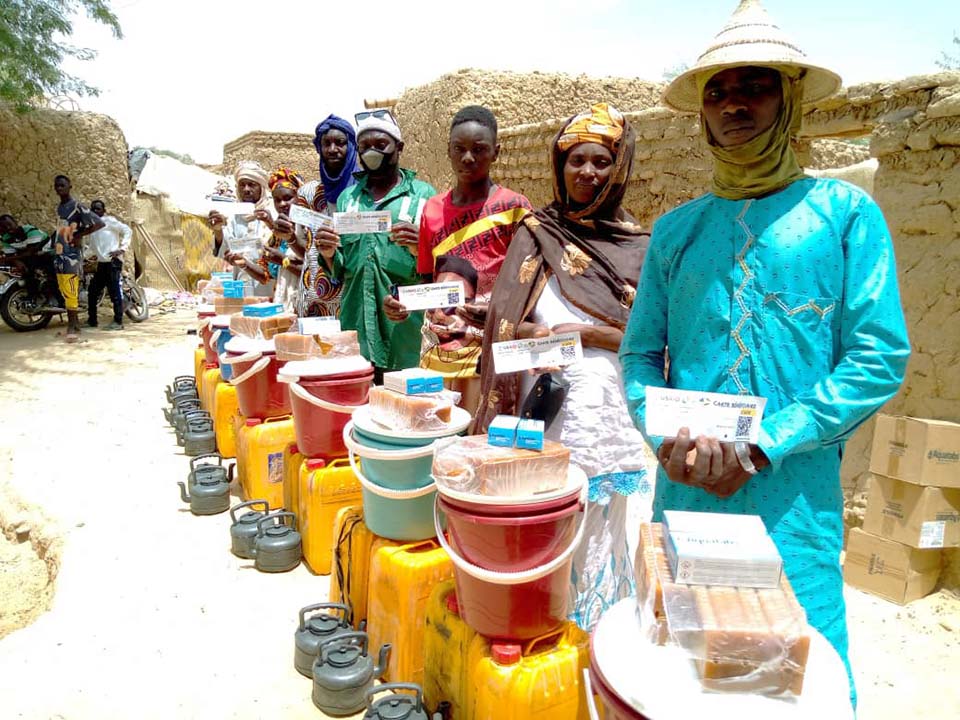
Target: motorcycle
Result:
[[28, 303]]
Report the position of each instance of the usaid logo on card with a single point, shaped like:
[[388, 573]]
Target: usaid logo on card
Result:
[[729, 418]]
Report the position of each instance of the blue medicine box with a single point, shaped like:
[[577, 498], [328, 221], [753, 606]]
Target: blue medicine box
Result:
[[530, 434], [502, 431], [233, 288], [262, 310], [413, 381]]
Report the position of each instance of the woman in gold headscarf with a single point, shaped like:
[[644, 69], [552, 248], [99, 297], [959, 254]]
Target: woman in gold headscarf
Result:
[[573, 266]]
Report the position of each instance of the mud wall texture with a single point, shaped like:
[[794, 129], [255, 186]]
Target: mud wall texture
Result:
[[34, 147], [424, 113], [272, 149]]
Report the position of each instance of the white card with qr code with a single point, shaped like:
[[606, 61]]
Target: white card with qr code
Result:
[[729, 418], [431, 295], [359, 223], [554, 351]]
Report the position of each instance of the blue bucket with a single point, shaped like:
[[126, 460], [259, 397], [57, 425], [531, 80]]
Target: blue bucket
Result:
[[398, 489]]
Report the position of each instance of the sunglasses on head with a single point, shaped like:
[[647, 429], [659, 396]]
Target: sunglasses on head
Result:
[[381, 114]]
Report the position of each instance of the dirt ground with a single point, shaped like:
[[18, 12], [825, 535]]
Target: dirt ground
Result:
[[152, 617]]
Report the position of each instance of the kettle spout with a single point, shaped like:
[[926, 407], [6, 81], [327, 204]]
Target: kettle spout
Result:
[[381, 667], [183, 492]]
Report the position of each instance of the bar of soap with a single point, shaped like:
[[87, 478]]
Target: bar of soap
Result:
[[742, 639], [421, 413], [470, 464], [294, 346], [262, 328]]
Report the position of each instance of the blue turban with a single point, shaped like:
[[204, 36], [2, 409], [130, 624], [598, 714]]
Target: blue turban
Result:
[[333, 186]]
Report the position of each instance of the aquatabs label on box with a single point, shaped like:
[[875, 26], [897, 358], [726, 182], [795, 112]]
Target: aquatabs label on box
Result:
[[502, 430], [530, 434], [355, 223], [431, 295], [729, 418], [310, 218], [721, 549], [321, 325], [554, 351], [262, 310], [413, 381]]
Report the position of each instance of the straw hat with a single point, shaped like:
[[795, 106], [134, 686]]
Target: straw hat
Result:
[[750, 37]]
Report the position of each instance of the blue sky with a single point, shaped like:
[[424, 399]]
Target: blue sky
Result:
[[190, 75]]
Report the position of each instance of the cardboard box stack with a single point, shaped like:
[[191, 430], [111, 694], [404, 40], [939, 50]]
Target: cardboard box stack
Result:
[[913, 509]]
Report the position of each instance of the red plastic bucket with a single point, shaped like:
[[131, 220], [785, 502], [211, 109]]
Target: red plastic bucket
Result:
[[504, 593], [351, 388], [507, 539], [206, 333], [320, 412], [259, 393]]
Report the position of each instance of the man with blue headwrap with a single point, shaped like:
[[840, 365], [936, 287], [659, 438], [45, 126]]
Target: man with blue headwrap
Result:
[[336, 143]]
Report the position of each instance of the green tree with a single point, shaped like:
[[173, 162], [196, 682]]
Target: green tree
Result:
[[948, 61], [34, 41]]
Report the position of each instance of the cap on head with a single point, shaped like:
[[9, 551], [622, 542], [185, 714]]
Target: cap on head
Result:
[[379, 119], [750, 37]]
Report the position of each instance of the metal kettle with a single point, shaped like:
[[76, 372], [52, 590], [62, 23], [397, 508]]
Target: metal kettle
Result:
[[344, 671], [181, 428], [396, 706], [182, 388], [278, 545], [181, 408], [243, 530], [199, 437], [208, 486], [316, 629]]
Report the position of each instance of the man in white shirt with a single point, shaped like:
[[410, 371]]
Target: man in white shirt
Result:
[[108, 245]]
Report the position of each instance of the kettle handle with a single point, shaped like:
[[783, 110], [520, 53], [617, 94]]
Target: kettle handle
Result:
[[194, 461], [276, 516], [413, 687], [355, 635], [248, 503], [320, 606], [195, 413]]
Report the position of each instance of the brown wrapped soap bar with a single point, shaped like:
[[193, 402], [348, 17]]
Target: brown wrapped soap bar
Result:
[[261, 328], [742, 639], [470, 464], [420, 413]]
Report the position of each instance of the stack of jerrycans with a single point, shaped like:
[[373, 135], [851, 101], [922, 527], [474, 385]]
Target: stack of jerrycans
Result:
[[481, 678], [324, 488]]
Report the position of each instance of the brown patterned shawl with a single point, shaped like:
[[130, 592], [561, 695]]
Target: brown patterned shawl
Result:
[[595, 253]]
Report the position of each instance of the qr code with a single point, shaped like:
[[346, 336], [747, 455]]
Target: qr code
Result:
[[568, 352], [744, 426], [453, 297]]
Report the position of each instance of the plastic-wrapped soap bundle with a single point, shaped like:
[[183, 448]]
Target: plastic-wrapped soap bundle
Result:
[[419, 413], [471, 465]]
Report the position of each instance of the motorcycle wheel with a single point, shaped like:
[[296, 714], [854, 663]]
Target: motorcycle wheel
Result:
[[135, 302], [14, 315]]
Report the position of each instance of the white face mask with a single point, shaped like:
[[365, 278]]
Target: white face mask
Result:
[[372, 159]]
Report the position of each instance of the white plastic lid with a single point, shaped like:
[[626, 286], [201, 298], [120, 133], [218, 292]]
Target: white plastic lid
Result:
[[242, 344], [220, 321], [322, 367], [206, 309]]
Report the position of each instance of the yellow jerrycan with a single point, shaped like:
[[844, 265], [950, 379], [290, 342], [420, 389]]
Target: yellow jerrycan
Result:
[[199, 363], [292, 464], [541, 678], [260, 448], [446, 641], [209, 379], [350, 562], [325, 489], [225, 407], [401, 580]]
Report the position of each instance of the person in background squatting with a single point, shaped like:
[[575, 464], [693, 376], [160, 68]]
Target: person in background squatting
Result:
[[74, 223], [774, 284], [573, 266], [371, 263], [464, 236], [108, 245], [336, 143]]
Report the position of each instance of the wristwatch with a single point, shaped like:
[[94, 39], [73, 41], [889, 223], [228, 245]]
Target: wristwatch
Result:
[[743, 455]]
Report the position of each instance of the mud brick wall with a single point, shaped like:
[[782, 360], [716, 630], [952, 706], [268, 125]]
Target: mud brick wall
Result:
[[272, 149]]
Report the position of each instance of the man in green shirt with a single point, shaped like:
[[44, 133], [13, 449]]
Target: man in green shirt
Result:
[[369, 264]]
